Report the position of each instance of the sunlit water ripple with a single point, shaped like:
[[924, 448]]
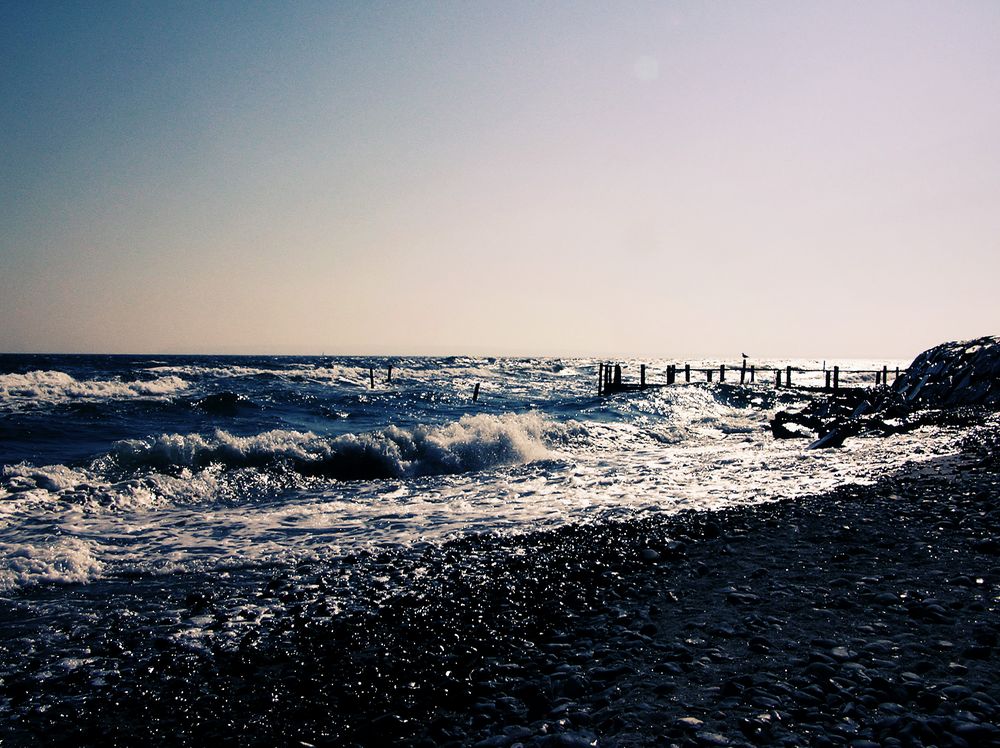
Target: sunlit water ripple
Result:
[[119, 465]]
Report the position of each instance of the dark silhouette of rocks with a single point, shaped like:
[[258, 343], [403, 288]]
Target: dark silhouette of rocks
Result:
[[953, 375], [946, 384]]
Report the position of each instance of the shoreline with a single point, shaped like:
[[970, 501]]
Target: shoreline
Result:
[[864, 616]]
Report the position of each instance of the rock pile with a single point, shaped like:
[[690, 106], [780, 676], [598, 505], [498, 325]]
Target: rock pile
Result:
[[954, 374], [941, 385]]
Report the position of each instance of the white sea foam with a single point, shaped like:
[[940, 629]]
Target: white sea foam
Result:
[[27, 488], [63, 560], [57, 386], [474, 442], [322, 374]]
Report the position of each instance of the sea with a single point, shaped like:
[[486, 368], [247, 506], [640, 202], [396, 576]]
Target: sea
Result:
[[140, 465], [148, 502]]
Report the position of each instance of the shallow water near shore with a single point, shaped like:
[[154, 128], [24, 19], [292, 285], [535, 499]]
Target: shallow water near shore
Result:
[[124, 465]]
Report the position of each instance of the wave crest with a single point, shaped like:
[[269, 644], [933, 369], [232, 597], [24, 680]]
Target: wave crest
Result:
[[472, 443], [65, 561], [57, 386]]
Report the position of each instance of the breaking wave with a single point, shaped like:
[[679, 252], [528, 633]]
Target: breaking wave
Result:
[[57, 386], [474, 442], [188, 469], [318, 374], [64, 561]]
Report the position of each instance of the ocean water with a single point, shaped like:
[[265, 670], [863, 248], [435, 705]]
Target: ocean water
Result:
[[118, 466], [164, 521]]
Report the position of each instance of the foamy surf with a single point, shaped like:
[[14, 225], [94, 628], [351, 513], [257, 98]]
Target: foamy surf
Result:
[[57, 386], [471, 443]]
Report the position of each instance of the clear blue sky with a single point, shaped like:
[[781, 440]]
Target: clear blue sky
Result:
[[786, 178]]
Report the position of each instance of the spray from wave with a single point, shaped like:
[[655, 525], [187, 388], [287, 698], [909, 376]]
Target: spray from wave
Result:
[[177, 469], [472, 443], [57, 386]]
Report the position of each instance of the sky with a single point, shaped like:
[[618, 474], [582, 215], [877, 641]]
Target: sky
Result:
[[505, 178]]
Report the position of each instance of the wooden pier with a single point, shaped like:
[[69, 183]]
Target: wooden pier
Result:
[[610, 381]]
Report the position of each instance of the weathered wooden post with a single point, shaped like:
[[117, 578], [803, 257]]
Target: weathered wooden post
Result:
[[743, 372], [607, 377], [687, 372], [897, 372], [671, 373], [642, 376], [389, 375], [777, 379], [709, 373], [878, 376], [618, 373], [753, 372], [836, 378], [475, 393], [371, 375], [722, 372], [827, 385], [885, 376], [788, 376], [600, 378]]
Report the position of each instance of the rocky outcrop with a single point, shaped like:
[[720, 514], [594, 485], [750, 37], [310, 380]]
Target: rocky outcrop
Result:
[[953, 374], [941, 385]]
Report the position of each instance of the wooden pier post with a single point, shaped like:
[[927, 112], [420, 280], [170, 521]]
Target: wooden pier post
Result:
[[671, 373], [836, 378], [743, 372], [618, 373], [642, 376], [709, 373], [777, 379], [600, 379], [371, 375], [897, 372], [788, 376], [827, 385], [753, 373], [878, 377], [722, 372], [885, 376], [687, 372], [475, 393], [388, 377]]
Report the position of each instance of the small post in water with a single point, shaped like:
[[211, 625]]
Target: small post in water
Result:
[[642, 376], [722, 373], [475, 393], [687, 372], [788, 376], [827, 386], [777, 379], [388, 377], [836, 378], [743, 372], [753, 372], [600, 378], [371, 375], [885, 376], [709, 373]]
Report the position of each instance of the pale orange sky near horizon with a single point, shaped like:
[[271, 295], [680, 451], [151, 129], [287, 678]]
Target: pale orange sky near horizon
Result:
[[787, 178]]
